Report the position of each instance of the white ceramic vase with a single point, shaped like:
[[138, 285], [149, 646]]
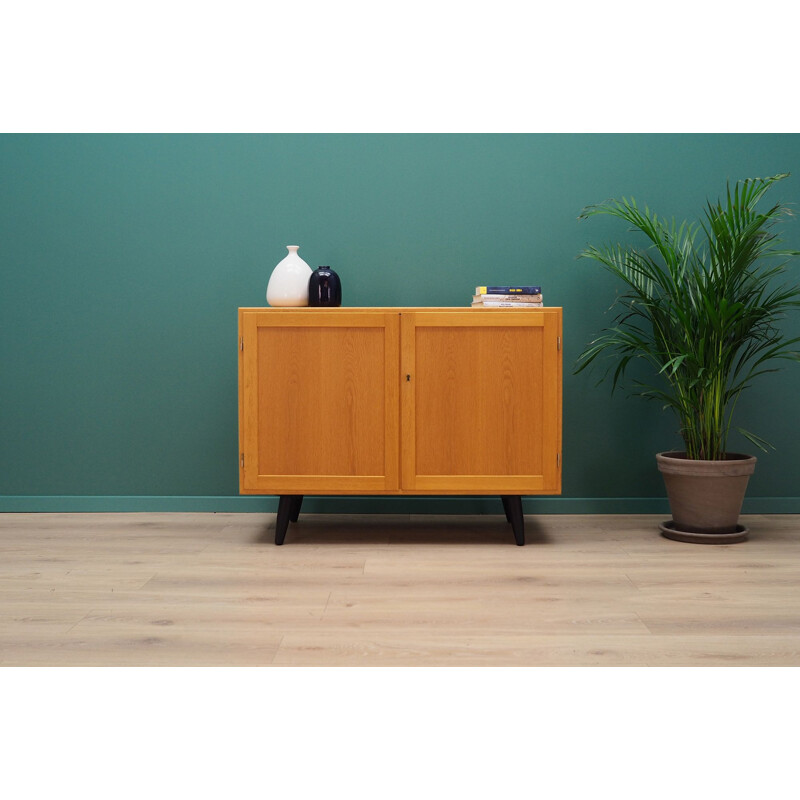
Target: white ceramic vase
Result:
[[288, 284]]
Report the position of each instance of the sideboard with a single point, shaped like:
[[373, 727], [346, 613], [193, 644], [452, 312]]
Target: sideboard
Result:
[[399, 401]]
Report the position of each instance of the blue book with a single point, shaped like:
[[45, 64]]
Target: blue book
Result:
[[508, 290]]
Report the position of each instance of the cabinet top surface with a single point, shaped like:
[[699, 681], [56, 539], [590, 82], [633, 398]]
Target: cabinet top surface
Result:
[[285, 309]]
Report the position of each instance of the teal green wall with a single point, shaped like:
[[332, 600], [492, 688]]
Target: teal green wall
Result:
[[123, 259]]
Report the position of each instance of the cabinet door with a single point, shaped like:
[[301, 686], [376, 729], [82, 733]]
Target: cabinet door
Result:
[[481, 401], [318, 407]]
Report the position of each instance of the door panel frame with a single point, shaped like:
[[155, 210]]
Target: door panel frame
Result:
[[549, 482], [252, 482]]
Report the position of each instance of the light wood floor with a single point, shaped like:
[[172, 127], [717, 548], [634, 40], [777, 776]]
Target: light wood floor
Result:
[[211, 589]]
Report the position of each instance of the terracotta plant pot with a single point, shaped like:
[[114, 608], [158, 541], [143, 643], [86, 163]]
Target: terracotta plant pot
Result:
[[705, 497]]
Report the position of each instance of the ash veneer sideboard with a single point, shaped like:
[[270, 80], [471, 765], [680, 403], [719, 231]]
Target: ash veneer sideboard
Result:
[[399, 401]]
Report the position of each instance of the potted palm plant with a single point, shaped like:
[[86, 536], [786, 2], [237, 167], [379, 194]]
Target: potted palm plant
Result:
[[702, 307]]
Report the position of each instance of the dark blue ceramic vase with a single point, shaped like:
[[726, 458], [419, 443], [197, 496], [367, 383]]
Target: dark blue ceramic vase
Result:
[[324, 288]]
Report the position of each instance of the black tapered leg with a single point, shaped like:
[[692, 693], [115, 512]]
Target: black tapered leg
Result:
[[505, 508], [284, 512], [513, 506], [297, 501]]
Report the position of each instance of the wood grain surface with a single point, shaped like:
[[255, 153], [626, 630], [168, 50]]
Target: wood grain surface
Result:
[[400, 401], [211, 589], [481, 411], [319, 398]]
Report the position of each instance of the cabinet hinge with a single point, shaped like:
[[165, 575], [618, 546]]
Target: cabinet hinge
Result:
[[558, 339], [241, 342]]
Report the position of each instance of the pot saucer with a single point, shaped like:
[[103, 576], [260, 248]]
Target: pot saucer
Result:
[[669, 530]]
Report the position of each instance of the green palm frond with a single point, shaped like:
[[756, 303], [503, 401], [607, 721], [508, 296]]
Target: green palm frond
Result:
[[699, 306]]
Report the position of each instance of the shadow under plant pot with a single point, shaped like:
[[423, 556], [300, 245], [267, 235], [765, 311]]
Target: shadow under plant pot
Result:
[[705, 497]]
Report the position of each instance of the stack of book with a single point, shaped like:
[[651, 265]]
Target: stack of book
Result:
[[507, 297]]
